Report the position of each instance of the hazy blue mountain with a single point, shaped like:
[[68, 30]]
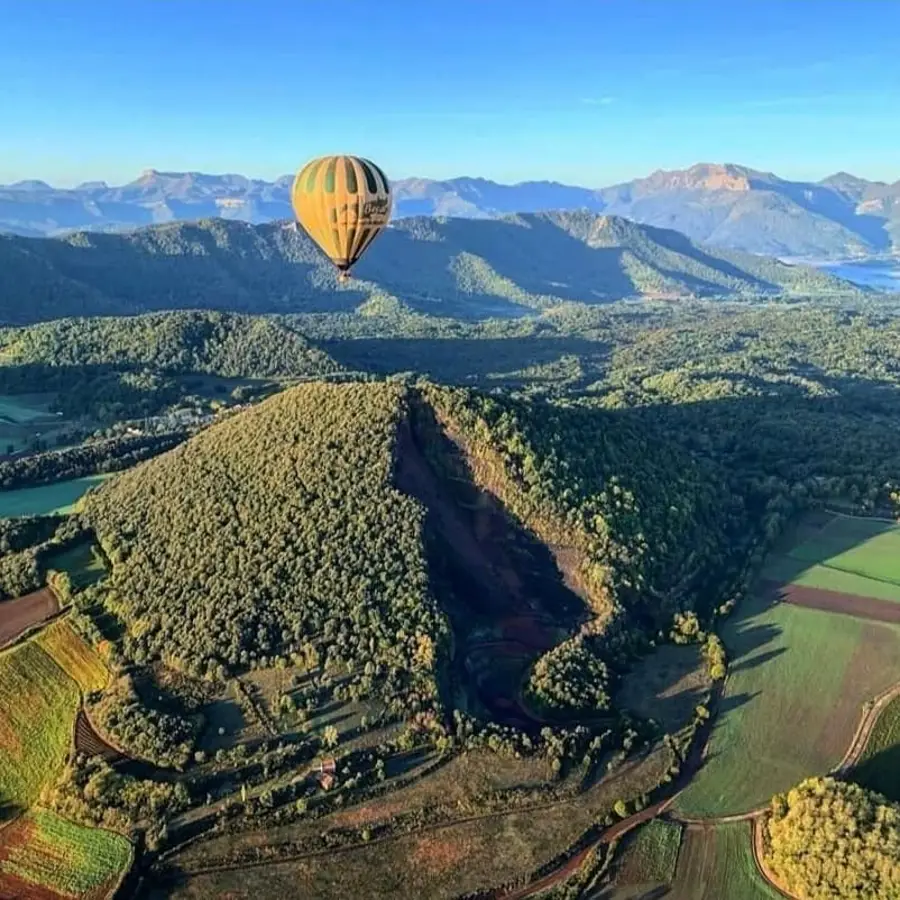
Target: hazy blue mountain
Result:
[[723, 205], [452, 266]]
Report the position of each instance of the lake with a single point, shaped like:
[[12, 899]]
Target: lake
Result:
[[883, 275]]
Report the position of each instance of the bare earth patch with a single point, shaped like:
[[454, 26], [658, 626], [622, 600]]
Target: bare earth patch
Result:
[[17, 616], [834, 601]]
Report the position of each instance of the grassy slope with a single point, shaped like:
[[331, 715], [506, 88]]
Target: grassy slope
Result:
[[51, 499], [785, 715], [653, 854]]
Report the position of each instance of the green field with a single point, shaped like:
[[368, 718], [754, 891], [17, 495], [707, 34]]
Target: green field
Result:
[[49, 499], [22, 408], [879, 767], [651, 857], [717, 864], [852, 556], [38, 703], [45, 850], [785, 714], [82, 563], [792, 571]]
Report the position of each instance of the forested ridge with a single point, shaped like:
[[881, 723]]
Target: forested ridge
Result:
[[231, 346], [471, 268], [272, 531], [654, 532]]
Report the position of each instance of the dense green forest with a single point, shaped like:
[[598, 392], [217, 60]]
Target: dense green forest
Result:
[[467, 268], [231, 346], [827, 838], [273, 530]]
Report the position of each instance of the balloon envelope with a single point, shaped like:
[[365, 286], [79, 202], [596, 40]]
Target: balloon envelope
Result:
[[343, 203]]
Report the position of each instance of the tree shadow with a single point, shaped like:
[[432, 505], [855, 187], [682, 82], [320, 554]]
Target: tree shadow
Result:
[[515, 362]]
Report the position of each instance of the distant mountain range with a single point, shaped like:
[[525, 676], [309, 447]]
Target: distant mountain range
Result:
[[471, 268], [722, 205]]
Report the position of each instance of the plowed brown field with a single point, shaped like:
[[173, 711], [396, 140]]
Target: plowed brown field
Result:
[[17, 616]]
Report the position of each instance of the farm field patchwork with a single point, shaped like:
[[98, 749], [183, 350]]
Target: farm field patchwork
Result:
[[845, 555], [48, 499], [45, 851], [784, 714], [74, 656], [38, 704], [879, 767]]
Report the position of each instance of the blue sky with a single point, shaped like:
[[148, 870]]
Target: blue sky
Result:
[[589, 92]]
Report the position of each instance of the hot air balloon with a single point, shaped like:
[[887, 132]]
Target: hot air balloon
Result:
[[343, 203]]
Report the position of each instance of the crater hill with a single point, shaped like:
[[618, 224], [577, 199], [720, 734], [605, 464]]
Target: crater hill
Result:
[[438, 548], [461, 267]]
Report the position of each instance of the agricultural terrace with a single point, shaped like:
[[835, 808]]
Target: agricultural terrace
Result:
[[42, 853], [38, 704], [49, 499], [798, 676], [879, 767], [40, 684]]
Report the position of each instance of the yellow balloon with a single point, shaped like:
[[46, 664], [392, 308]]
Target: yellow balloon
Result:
[[343, 203]]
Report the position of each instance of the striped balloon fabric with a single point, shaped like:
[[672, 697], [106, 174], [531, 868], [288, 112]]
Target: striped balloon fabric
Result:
[[343, 203]]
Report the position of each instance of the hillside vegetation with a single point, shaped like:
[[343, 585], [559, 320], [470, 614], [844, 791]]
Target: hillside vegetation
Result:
[[273, 532], [472, 268], [232, 346], [827, 838]]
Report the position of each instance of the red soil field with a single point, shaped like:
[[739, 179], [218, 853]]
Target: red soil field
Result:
[[17, 616], [12, 888], [834, 601], [16, 835]]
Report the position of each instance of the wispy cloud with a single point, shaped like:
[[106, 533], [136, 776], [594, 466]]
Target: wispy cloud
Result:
[[598, 101]]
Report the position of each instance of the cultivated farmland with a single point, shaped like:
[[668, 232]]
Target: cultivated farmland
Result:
[[717, 863], [44, 851], [786, 714], [74, 656], [798, 676], [38, 703]]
